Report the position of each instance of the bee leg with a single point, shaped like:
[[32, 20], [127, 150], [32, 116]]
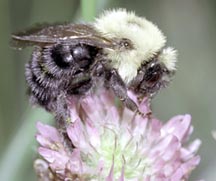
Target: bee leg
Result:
[[62, 117], [77, 86], [135, 83], [120, 90], [80, 84], [62, 111]]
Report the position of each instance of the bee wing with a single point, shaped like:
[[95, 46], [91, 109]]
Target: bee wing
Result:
[[63, 33]]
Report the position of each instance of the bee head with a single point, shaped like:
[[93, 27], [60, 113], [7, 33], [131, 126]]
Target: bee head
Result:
[[136, 41]]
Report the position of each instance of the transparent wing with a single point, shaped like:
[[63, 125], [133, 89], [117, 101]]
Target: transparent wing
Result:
[[42, 35]]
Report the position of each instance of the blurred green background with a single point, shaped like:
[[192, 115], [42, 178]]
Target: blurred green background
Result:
[[190, 27]]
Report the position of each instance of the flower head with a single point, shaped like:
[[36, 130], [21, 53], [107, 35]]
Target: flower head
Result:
[[113, 143]]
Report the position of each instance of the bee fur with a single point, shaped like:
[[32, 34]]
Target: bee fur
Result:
[[120, 49]]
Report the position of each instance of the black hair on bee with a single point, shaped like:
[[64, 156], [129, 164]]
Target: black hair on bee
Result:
[[57, 69]]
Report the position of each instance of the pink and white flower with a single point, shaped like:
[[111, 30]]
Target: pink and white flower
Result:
[[113, 143]]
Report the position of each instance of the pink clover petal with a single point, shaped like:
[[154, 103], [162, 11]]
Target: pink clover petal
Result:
[[43, 141], [127, 115], [56, 159], [188, 153], [186, 125], [112, 116], [107, 99], [48, 132], [75, 132], [121, 178], [100, 166], [154, 128], [162, 147], [95, 112], [194, 146], [75, 162], [185, 168], [132, 96], [46, 153], [139, 126], [74, 113], [110, 177], [172, 148], [94, 137], [144, 106], [179, 126]]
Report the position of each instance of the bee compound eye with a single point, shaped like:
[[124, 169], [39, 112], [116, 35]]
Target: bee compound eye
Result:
[[153, 75]]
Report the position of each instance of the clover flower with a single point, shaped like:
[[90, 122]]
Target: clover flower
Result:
[[111, 143]]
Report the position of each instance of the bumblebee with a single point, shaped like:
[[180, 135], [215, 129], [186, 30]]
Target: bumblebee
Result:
[[120, 50]]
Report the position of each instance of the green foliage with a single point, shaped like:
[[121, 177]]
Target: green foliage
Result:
[[88, 9]]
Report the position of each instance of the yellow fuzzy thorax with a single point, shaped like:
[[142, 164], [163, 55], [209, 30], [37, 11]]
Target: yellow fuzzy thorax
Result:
[[146, 38]]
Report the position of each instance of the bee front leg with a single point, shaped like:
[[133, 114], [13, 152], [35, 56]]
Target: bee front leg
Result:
[[120, 90]]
